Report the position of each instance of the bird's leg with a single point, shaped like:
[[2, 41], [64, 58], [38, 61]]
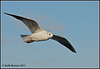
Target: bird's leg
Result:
[[30, 41]]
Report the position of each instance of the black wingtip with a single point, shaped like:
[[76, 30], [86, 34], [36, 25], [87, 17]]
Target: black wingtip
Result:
[[8, 14], [17, 17], [4, 12], [74, 51]]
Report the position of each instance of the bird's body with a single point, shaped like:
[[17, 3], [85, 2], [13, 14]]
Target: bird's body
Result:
[[38, 34]]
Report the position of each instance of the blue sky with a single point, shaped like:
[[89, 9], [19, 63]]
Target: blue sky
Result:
[[78, 21]]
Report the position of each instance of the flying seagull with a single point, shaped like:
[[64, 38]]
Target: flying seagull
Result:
[[38, 34]]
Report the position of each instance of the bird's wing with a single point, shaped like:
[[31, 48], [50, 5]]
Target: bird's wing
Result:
[[31, 24], [63, 41]]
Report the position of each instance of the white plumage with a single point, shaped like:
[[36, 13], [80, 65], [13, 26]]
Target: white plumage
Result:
[[38, 34]]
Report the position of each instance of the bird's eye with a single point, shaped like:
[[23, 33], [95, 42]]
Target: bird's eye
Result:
[[48, 33]]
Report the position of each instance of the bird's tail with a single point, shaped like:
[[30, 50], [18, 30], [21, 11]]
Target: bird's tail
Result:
[[23, 36], [26, 39]]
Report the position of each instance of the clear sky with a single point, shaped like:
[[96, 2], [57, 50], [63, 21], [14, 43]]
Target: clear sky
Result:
[[77, 21]]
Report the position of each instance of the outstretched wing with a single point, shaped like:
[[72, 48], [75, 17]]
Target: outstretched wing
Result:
[[64, 42], [31, 24]]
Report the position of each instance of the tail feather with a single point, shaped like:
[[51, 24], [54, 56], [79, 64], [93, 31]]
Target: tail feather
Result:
[[23, 36], [26, 39]]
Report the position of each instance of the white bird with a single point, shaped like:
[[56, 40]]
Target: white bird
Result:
[[38, 34]]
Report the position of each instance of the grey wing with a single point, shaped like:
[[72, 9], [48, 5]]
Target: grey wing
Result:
[[31, 24], [64, 42]]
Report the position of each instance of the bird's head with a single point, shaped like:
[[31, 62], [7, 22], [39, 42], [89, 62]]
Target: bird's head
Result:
[[49, 35]]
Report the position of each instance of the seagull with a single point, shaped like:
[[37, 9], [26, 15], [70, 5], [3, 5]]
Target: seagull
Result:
[[38, 34]]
